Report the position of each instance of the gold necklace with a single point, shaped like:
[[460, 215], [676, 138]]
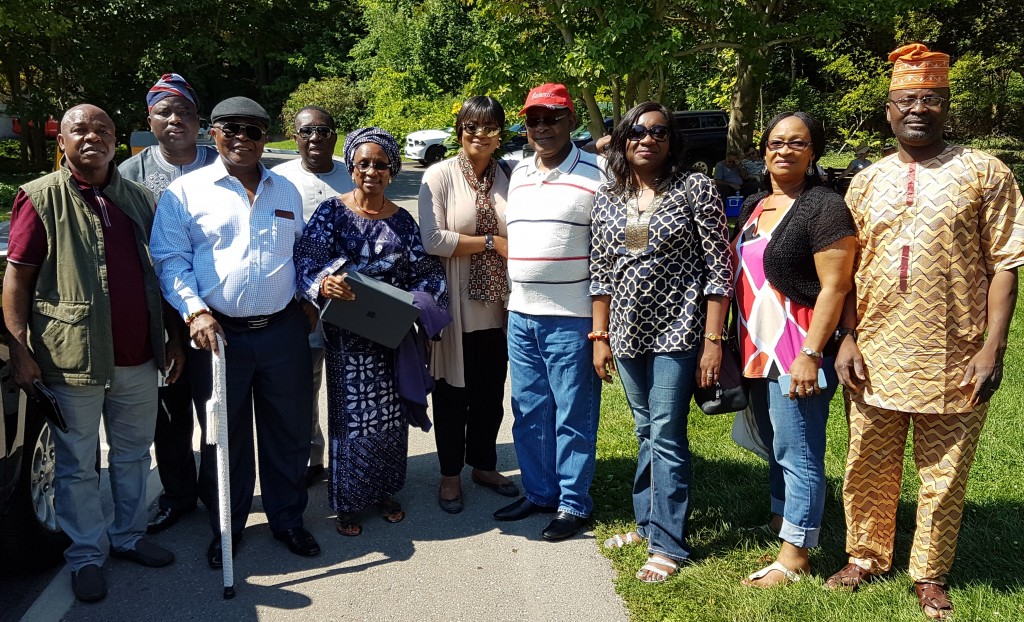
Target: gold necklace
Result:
[[370, 212]]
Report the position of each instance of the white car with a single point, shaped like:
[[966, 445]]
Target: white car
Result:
[[426, 146]]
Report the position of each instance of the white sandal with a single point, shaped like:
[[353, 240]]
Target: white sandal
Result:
[[617, 541], [652, 566], [790, 575]]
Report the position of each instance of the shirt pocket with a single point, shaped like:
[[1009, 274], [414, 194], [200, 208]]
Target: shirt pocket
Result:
[[282, 235], [61, 338]]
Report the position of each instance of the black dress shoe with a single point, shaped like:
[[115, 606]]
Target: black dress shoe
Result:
[[145, 553], [214, 556], [314, 474], [89, 584], [299, 541], [564, 526], [520, 509], [165, 519]]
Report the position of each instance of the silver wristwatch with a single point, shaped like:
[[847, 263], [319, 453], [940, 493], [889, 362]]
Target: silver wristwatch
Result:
[[488, 242], [811, 353]]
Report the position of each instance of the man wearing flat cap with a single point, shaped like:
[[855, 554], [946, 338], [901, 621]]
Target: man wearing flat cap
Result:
[[222, 244], [556, 394], [941, 233], [174, 120]]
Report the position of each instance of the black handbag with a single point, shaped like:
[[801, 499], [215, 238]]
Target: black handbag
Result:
[[730, 393]]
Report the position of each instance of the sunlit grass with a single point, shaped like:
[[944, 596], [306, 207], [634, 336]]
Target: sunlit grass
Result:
[[730, 492]]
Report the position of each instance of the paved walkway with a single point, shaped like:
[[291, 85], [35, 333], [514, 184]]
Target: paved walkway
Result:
[[432, 566]]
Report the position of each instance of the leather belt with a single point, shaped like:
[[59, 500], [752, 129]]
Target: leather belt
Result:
[[254, 322]]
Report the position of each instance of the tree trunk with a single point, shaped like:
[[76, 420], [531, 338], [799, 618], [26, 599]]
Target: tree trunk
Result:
[[596, 119], [744, 104]]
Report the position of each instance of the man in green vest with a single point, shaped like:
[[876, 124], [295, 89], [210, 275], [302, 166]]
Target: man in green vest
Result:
[[78, 266]]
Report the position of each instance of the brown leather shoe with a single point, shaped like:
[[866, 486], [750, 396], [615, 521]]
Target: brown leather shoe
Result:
[[934, 600], [849, 578]]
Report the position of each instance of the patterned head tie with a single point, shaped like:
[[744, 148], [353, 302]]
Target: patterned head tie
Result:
[[171, 85], [917, 68], [376, 136]]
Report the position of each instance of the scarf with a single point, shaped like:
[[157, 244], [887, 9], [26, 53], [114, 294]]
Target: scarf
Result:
[[488, 279]]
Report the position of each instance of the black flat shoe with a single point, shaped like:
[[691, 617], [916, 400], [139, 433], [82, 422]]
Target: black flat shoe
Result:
[[214, 556], [452, 506], [520, 509], [507, 489], [299, 541], [145, 553], [564, 526], [165, 519]]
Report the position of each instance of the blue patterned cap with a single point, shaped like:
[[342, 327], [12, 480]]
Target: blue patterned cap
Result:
[[376, 136]]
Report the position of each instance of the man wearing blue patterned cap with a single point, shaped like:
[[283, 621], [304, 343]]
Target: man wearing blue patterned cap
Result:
[[222, 245], [174, 120]]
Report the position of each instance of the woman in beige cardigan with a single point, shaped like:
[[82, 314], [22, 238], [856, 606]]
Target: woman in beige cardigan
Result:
[[462, 220]]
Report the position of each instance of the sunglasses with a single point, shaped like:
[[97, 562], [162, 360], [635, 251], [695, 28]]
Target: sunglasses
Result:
[[377, 165], [532, 122], [484, 131], [795, 145], [254, 133], [639, 132], [307, 131]]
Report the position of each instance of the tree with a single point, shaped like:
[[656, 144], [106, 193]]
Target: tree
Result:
[[338, 96]]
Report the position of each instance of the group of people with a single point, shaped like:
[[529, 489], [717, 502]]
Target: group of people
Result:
[[558, 271]]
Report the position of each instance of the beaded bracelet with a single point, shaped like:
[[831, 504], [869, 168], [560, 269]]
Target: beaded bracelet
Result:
[[192, 316], [598, 335]]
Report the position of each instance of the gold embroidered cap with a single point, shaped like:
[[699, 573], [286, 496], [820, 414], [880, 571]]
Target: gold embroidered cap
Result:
[[918, 68]]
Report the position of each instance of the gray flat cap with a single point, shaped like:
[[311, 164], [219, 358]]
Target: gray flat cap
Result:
[[239, 107]]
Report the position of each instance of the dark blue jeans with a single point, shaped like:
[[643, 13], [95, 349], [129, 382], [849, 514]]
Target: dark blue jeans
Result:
[[659, 387]]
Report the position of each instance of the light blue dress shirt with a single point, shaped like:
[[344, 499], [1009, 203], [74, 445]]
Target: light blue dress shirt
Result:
[[212, 250]]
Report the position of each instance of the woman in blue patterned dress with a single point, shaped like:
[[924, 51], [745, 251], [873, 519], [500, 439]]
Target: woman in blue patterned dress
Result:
[[661, 278], [361, 231]]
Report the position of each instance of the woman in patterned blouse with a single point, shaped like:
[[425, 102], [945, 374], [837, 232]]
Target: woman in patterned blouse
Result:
[[661, 278], [794, 250]]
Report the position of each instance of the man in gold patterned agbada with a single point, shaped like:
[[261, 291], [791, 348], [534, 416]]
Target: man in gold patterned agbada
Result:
[[941, 235]]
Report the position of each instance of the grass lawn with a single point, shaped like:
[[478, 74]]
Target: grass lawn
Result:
[[731, 492]]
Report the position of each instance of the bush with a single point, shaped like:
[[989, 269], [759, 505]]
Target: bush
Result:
[[398, 112], [338, 96]]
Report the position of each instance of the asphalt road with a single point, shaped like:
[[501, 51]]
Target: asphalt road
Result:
[[432, 566]]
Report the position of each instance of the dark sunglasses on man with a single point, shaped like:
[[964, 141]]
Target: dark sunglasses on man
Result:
[[533, 122], [639, 132], [307, 131], [254, 133]]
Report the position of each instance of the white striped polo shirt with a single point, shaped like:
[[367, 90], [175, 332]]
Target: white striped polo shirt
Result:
[[548, 216]]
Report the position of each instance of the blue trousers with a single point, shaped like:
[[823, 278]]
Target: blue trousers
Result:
[[659, 387], [556, 402]]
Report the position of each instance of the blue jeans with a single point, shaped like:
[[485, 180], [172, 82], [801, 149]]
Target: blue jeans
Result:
[[129, 410], [556, 402], [795, 430], [659, 387]]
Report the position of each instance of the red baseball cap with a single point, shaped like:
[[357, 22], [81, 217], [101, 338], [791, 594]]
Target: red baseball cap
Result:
[[548, 96]]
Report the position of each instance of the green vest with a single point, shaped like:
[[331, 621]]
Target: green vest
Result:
[[70, 333]]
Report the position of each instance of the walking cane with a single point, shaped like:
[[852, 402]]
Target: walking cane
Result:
[[217, 434]]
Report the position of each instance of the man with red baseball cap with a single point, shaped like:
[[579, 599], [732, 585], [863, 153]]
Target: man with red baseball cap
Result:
[[556, 395]]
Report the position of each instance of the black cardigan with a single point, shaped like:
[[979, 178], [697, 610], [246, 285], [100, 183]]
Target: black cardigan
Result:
[[819, 217]]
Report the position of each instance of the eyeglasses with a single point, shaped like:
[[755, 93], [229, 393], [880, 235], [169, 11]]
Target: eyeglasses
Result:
[[307, 131], [484, 131], [639, 132], [377, 165], [532, 122], [254, 133], [795, 145], [906, 104]]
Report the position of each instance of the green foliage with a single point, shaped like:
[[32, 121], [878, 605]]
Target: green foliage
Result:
[[339, 96], [397, 112]]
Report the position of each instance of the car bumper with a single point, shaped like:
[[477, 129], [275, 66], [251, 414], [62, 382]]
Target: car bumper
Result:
[[417, 152]]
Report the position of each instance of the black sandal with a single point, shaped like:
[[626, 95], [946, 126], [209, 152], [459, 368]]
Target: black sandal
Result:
[[391, 511], [348, 525]]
